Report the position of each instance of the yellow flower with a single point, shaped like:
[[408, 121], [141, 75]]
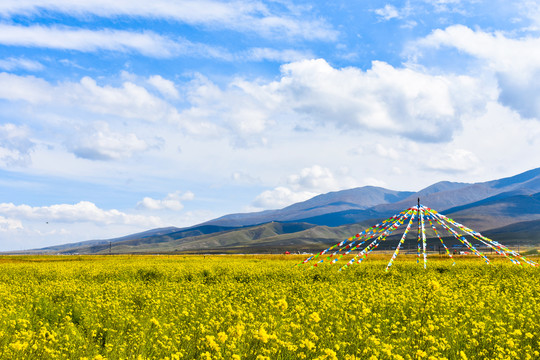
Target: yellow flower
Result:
[[211, 342], [307, 344], [330, 354], [314, 317], [222, 337], [154, 322], [282, 304], [18, 346], [262, 335], [434, 285]]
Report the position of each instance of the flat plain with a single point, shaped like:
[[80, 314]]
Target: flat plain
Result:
[[265, 307]]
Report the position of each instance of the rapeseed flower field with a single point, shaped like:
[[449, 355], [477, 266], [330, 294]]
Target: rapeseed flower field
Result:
[[263, 307]]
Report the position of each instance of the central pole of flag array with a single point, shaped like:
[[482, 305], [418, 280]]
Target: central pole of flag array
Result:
[[418, 234], [377, 234]]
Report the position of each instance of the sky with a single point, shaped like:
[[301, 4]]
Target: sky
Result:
[[123, 116]]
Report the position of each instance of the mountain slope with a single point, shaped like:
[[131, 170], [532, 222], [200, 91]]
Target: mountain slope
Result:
[[190, 240], [153, 232], [526, 233], [356, 199], [349, 206], [497, 211], [330, 217], [164, 234]]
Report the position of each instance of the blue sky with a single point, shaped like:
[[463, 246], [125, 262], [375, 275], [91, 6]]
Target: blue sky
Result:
[[120, 116]]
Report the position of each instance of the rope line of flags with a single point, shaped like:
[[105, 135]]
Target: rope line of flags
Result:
[[423, 215]]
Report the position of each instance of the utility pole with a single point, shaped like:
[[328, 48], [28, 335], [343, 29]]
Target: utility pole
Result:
[[110, 247]]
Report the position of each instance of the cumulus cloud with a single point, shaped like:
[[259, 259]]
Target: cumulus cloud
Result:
[[309, 93], [531, 9], [100, 143], [83, 211], [9, 224], [25, 88], [15, 145], [252, 16], [386, 151], [69, 111], [383, 99], [241, 177], [241, 110], [164, 86], [280, 197], [129, 100], [387, 12], [308, 183], [514, 61], [173, 201], [458, 160]]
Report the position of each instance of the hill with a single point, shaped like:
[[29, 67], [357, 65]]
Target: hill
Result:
[[505, 207], [361, 198]]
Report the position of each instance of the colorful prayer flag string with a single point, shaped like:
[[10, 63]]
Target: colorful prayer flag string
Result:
[[381, 231]]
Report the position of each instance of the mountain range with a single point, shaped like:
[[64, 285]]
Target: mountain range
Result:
[[506, 209]]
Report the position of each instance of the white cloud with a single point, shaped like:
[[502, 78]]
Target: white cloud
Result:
[[447, 5], [15, 145], [241, 177], [164, 86], [531, 9], [9, 224], [173, 201], [147, 43], [501, 52], [318, 179], [25, 88], [459, 160], [280, 197], [387, 12], [12, 63], [514, 61], [90, 119], [278, 55], [252, 16], [129, 100], [83, 211], [308, 183], [100, 143], [386, 151], [382, 99], [241, 111]]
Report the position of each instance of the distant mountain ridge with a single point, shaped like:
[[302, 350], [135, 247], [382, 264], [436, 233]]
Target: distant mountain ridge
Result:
[[505, 207], [361, 198]]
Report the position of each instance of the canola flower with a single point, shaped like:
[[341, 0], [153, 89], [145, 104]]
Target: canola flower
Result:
[[262, 307]]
